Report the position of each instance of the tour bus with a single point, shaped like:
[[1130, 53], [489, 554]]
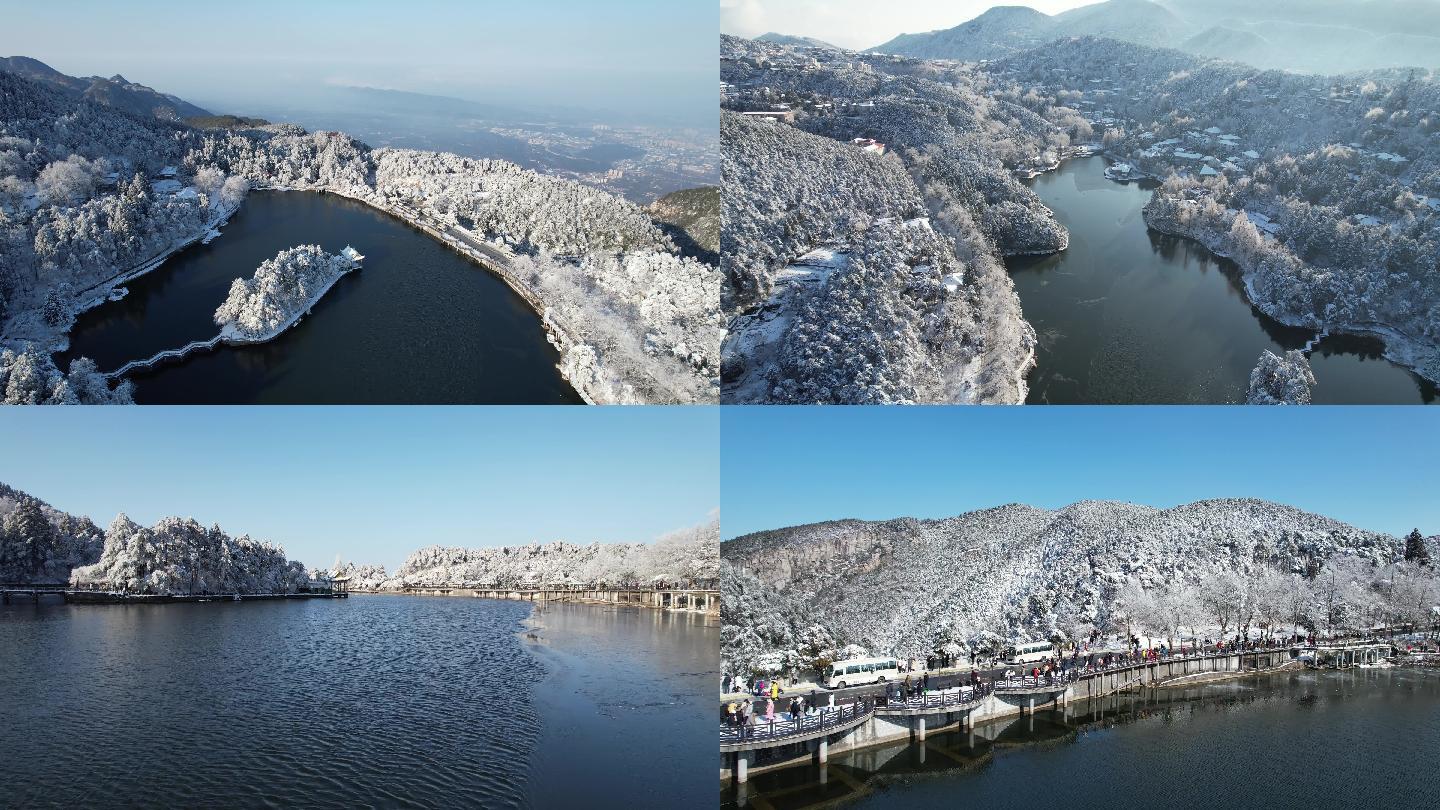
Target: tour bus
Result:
[[855, 671], [1029, 653]]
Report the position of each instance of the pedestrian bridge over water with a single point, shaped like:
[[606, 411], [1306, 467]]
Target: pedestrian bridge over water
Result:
[[871, 719]]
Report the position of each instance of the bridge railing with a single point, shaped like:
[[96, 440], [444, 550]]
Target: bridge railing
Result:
[[955, 696], [1025, 683], [779, 729]]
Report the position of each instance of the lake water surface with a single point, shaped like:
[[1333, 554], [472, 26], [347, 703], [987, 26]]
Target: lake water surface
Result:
[[1359, 738], [1130, 315], [418, 324], [390, 701]]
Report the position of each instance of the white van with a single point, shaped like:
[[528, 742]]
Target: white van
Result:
[[1029, 653], [857, 671]]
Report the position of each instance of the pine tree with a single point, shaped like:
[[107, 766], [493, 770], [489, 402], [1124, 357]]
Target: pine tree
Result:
[[32, 537], [1415, 550]]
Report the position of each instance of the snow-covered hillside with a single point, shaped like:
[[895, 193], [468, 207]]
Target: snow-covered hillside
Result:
[[907, 170], [911, 587], [685, 556]]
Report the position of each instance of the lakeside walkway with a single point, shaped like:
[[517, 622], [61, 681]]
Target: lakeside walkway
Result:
[[674, 598], [885, 712]]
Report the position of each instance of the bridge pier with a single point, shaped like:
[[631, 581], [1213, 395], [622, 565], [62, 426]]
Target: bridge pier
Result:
[[742, 767], [822, 752], [919, 728]]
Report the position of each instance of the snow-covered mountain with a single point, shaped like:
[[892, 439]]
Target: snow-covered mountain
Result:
[[1005, 30], [687, 555], [39, 543], [910, 586], [116, 91], [1315, 36], [1000, 31]]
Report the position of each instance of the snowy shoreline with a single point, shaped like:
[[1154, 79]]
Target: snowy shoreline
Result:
[[555, 333], [56, 342], [1399, 348]]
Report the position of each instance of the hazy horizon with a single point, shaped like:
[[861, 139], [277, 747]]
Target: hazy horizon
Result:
[[630, 60], [374, 484]]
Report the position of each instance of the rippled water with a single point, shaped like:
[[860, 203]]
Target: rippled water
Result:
[[378, 701], [1296, 740]]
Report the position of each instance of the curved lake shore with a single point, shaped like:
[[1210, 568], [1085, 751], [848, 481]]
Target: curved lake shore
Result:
[[1127, 314], [420, 324]]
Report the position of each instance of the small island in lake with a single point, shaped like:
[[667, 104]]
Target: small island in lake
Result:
[[282, 289]]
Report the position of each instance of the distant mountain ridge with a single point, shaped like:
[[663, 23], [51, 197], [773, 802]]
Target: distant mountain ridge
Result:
[[1323, 36], [786, 39], [115, 91]]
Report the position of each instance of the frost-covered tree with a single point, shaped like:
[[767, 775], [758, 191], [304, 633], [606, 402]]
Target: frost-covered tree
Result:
[[687, 556], [31, 378], [181, 556], [39, 543]]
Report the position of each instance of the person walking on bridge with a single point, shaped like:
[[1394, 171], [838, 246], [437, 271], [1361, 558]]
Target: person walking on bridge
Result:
[[770, 710]]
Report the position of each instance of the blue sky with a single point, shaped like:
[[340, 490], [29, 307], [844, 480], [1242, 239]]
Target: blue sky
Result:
[[1373, 467], [374, 484], [609, 55], [861, 23]]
